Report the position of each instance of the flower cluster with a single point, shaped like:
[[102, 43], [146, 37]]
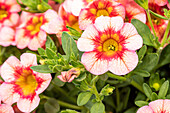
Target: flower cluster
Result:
[[84, 49]]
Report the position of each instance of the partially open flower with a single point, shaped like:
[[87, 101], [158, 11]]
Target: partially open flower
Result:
[[22, 85], [98, 8], [157, 106], [68, 76], [110, 44]]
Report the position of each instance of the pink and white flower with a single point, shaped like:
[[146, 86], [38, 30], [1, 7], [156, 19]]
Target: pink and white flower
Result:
[[110, 44], [98, 8], [32, 32], [9, 18], [5, 108], [22, 85], [157, 106]]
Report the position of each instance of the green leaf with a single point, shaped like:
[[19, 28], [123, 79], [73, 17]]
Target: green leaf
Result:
[[41, 69], [43, 6], [97, 108], [32, 4], [50, 53], [41, 51], [58, 82], [163, 90], [142, 73], [142, 52], [147, 90], [144, 32], [158, 15], [50, 44], [167, 13], [149, 62], [165, 56], [141, 103], [51, 106], [142, 3], [74, 32], [69, 45], [69, 111], [83, 98], [154, 96]]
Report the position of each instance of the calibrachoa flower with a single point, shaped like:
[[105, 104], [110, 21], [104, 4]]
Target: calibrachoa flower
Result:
[[110, 44], [100, 8], [157, 106], [5, 108], [32, 31], [22, 85], [160, 25], [9, 18], [68, 76]]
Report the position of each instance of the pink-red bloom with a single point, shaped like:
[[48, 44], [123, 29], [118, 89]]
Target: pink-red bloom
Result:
[[68, 76], [9, 18], [22, 85], [157, 106], [32, 32], [98, 8], [110, 44]]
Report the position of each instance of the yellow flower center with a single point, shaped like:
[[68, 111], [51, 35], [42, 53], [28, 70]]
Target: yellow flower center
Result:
[[155, 20], [110, 45], [27, 82], [3, 14], [102, 12], [34, 27]]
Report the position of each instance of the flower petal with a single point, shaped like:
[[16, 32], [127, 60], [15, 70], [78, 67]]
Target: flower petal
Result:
[[94, 64], [55, 24], [161, 2], [8, 68], [133, 43], [145, 109], [128, 31], [85, 44], [28, 104], [166, 106], [157, 105], [21, 40], [102, 23], [15, 8], [43, 82], [124, 63], [28, 59], [8, 94], [5, 108]]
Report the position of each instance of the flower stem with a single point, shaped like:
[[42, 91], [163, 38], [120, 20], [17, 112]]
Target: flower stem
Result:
[[94, 90], [132, 82], [150, 22], [117, 96], [164, 40]]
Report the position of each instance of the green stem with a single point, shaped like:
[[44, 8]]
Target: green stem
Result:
[[65, 93], [68, 105], [164, 40], [94, 90], [133, 83], [118, 96], [65, 104], [150, 22]]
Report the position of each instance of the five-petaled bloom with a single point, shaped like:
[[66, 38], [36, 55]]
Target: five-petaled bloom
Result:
[[22, 85], [110, 44], [99, 8], [157, 106]]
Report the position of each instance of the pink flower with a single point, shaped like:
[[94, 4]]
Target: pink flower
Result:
[[160, 25], [9, 18], [110, 44], [98, 8], [22, 85], [68, 76], [5, 108], [32, 31], [157, 106]]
